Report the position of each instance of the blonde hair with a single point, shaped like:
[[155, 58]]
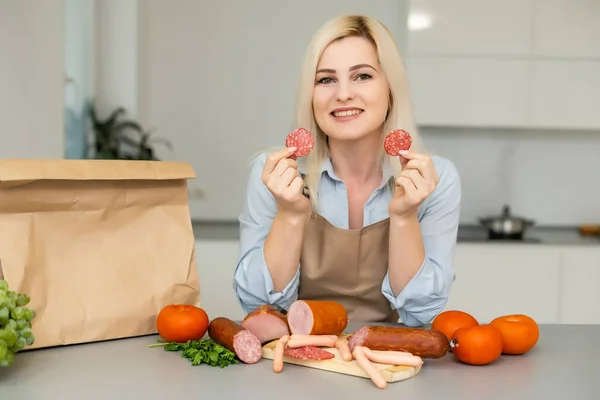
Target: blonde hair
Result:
[[400, 114]]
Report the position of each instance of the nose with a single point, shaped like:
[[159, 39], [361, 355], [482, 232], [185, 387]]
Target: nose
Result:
[[344, 91]]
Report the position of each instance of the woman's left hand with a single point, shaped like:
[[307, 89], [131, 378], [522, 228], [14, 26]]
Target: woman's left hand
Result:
[[416, 182]]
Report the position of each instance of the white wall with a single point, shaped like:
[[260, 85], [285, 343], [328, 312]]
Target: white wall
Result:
[[552, 177], [116, 53], [197, 74], [205, 73], [31, 79]]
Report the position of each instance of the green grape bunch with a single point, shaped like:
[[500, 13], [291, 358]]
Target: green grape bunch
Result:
[[15, 324]]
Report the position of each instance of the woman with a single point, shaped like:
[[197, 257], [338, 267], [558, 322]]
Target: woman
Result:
[[376, 233]]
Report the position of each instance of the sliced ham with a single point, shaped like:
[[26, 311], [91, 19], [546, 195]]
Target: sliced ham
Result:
[[266, 323]]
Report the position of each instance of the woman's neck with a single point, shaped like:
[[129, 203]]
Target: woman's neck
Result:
[[356, 161]]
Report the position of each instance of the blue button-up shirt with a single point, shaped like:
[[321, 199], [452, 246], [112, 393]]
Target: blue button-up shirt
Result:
[[418, 303]]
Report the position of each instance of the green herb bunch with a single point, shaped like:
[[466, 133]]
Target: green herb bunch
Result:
[[202, 352]]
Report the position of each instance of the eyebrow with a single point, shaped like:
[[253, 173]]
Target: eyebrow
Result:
[[354, 67]]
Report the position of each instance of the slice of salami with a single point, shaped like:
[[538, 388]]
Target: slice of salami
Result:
[[308, 353], [302, 140], [236, 338], [397, 140]]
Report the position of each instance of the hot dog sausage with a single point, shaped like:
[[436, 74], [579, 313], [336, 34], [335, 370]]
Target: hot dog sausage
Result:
[[344, 350], [279, 350], [417, 341], [369, 368], [317, 317], [312, 340], [236, 338], [392, 357]]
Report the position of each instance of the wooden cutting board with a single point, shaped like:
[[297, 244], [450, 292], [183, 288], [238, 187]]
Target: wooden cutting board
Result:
[[391, 373]]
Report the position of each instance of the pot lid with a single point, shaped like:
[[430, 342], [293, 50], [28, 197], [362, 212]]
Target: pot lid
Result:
[[506, 215]]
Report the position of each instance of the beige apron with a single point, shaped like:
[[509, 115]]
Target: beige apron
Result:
[[347, 266]]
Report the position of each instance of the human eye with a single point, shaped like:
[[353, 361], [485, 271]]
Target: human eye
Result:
[[363, 77], [325, 80]]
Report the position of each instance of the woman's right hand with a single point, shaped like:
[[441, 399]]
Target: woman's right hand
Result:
[[281, 176]]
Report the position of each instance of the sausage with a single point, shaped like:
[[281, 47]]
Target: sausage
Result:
[[344, 350], [392, 358], [278, 356], [396, 353], [368, 367], [299, 336], [397, 140], [317, 317], [236, 338], [266, 323], [417, 341], [312, 340], [302, 140]]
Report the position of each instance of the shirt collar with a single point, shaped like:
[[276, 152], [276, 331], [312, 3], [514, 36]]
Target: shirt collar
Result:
[[327, 168]]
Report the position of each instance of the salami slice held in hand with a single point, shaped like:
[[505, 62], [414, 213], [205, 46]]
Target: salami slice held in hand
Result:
[[302, 140], [397, 140]]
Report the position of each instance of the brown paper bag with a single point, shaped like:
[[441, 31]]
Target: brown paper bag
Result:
[[100, 246]]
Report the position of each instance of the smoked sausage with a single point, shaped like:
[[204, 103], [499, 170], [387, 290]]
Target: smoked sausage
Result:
[[266, 323], [417, 341], [236, 338], [317, 317]]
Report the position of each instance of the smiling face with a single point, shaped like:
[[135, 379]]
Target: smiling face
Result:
[[351, 93]]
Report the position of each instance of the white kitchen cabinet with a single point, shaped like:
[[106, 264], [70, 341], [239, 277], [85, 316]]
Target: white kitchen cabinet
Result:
[[566, 93], [471, 27], [566, 28], [553, 284], [580, 286], [513, 64], [496, 279], [456, 91]]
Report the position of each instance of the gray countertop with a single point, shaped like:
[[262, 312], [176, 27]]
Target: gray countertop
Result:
[[564, 365], [567, 236]]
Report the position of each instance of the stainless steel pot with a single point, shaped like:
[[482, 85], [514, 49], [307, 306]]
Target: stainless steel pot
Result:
[[506, 226]]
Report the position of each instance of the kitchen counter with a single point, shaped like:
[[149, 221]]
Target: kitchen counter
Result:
[[564, 364], [557, 236], [561, 236]]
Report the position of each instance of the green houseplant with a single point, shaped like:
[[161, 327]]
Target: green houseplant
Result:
[[119, 138]]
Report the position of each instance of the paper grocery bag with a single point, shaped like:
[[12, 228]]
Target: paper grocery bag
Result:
[[100, 246]]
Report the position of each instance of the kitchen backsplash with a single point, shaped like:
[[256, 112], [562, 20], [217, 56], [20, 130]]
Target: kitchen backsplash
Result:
[[552, 177]]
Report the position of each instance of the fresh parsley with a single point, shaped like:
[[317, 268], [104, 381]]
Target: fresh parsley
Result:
[[202, 352]]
